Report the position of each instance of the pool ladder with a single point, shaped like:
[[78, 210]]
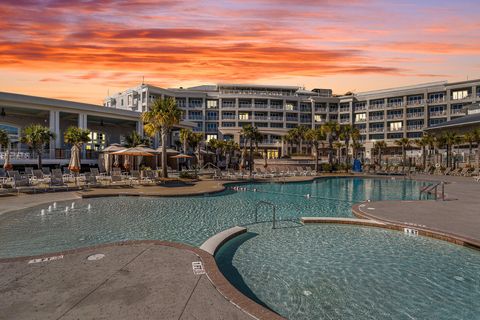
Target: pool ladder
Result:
[[268, 204], [433, 187]]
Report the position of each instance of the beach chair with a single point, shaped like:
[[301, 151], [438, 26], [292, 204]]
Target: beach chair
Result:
[[29, 171], [91, 180], [454, 172], [464, 172], [56, 182], [22, 182], [475, 172], [38, 177], [447, 171], [46, 171]]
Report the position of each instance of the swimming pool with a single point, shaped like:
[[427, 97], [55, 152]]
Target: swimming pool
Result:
[[190, 220], [352, 272]]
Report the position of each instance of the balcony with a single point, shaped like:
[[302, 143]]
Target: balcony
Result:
[[276, 106], [211, 129], [438, 113], [376, 118], [415, 127], [276, 118], [436, 100], [468, 97], [195, 117], [415, 114], [344, 109], [244, 105], [271, 142], [363, 130], [261, 105], [195, 105], [377, 130], [228, 105], [393, 105], [395, 129], [360, 120], [377, 106], [260, 118], [360, 108], [305, 120], [324, 110], [394, 116], [292, 119], [415, 103], [212, 118], [458, 112], [228, 117], [345, 120]]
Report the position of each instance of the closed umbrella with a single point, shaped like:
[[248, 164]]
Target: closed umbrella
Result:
[[74, 164], [126, 163], [7, 165]]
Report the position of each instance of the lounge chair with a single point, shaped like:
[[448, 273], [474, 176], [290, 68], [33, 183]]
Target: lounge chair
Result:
[[454, 172], [22, 183], [91, 180], [475, 172], [448, 171], [464, 172], [29, 171]]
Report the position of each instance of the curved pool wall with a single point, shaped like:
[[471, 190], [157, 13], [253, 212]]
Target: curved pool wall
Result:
[[191, 219], [333, 271]]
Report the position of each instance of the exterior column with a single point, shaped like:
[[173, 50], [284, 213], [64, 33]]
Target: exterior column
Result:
[[82, 120], [139, 127], [54, 126]]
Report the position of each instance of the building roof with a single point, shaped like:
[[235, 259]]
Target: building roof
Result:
[[468, 120]]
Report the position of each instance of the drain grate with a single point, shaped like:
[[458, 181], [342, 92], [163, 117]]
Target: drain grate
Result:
[[197, 267]]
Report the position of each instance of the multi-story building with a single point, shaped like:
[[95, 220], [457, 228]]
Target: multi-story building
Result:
[[220, 111]]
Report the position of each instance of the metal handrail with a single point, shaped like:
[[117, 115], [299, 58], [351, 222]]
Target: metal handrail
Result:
[[433, 187], [273, 211]]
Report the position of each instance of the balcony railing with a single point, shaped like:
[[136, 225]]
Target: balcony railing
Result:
[[320, 109], [212, 118], [344, 109], [228, 105], [376, 118], [376, 106], [276, 118], [195, 117], [415, 127], [291, 119], [228, 117], [436, 100], [394, 116], [276, 106], [414, 103], [244, 105], [464, 98], [305, 120], [377, 130], [395, 105], [261, 105], [415, 114], [260, 118], [344, 120], [438, 113], [458, 111], [360, 120], [360, 108], [195, 105], [394, 129]]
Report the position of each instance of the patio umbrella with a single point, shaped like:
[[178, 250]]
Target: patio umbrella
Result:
[[114, 147], [7, 165], [126, 163], [169, 151], [181, 156], [74, 164], [138, 151]]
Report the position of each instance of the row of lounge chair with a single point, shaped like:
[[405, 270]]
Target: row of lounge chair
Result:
[[390, 170], [269, 172]]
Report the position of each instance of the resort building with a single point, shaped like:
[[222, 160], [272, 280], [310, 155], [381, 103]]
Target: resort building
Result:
[[220, 111], [106, 126]]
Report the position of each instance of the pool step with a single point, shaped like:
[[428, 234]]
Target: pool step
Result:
[[213, 243]]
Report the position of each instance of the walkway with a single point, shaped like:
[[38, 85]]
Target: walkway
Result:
[[135, 281], [458, 216]]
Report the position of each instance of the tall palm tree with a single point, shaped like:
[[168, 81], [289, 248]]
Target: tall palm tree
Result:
[[356, 145], [134, 139], [5, 145], [404, 143], [300, 132], [476, 134], [422, 143], [380, 146], [230, 146], [76, 137], [161, 118], [346, 132], [338, 145], [331, 129], [253, 136], [290, 138], [315, 136], [469, 138], [194, 140], [37, 136], [450, 138], [184, 135]]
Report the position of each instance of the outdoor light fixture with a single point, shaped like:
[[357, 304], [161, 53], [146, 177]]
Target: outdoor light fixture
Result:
[[3, 114]]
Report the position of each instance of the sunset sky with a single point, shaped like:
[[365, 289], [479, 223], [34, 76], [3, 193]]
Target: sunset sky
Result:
[[80, 50]]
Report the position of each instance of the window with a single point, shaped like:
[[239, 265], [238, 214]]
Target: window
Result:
[[121, 102], [211, 136], [243, 116], [396, 126], [289, 106], [318, 118], [460, 94], [129, 97], [212, 104], [359, 117], [13, 132], [98, 141]]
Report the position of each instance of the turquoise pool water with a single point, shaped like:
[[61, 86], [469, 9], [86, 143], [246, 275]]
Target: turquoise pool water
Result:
[[189, 220], [350, 272]]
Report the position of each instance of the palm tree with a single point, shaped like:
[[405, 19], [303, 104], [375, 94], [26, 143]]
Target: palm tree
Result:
[[404, 143], [134, 139], [356, 145], [380, 146], [36, 136], [300, 133], [76, 137], [253, 136], [315, 136], [469, 138], [229, 147], [184, 135], [337, 145], [161, 118], [331, 129], [346, 132], [476, 134], [5, 144], [422, 143], [194, 140], [289, 138], [450, 138]]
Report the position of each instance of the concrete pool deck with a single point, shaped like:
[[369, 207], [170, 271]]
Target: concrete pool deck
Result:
[[458, 217]]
